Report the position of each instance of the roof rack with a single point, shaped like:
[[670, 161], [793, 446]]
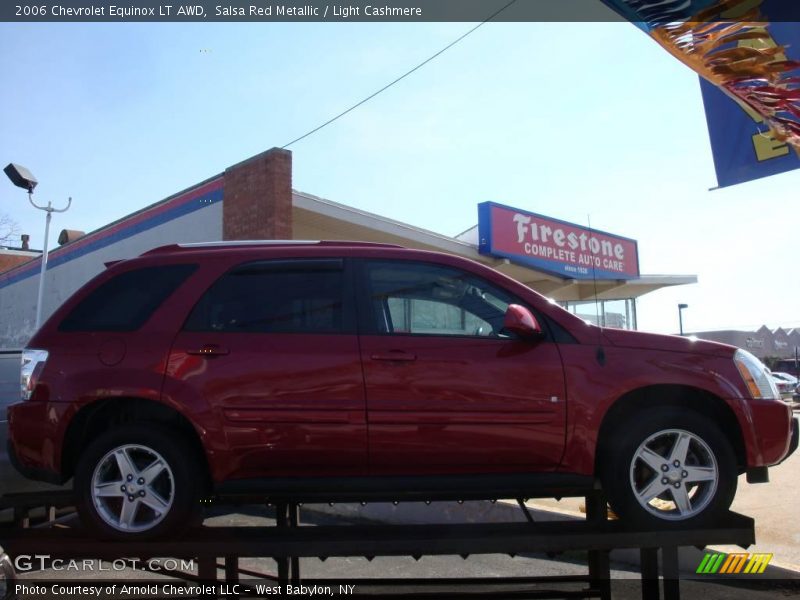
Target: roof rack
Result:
[[169, 248]]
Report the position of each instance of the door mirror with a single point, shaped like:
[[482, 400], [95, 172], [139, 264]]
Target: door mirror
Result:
[[520, 321]]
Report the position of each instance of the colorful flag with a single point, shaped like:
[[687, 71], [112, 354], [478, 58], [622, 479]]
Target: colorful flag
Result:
[[749, 51]]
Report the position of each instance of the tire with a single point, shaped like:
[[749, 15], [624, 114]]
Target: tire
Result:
[[135, 483], [645, 485]]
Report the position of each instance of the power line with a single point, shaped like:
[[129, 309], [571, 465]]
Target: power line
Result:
[[403, 76]]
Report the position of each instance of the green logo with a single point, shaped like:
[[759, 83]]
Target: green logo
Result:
[[733, 564]]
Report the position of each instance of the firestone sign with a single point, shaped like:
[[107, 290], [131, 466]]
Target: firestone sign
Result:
[[555, 246]]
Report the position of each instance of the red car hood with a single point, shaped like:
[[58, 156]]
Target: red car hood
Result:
[[670, 343]]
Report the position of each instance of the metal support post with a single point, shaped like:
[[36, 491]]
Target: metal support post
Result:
[[207, 572], [599, 564], [281, 522], [649, 561], [231, 568], [669, 567], [294, 562]]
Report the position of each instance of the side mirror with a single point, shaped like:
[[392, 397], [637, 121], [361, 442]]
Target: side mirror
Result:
[[520, 321]]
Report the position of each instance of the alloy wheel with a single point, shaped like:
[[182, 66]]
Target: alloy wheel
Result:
[[674, 474], [133, 488]]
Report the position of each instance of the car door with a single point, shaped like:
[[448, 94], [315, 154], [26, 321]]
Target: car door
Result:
[[447, 390], [272, 348]]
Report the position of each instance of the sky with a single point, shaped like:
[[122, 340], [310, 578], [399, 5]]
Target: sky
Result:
[[576, 121]]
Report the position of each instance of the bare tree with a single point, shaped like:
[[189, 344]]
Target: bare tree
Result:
[[9, 229]]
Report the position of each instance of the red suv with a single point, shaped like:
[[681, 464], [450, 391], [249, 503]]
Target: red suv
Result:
[[345, 370]]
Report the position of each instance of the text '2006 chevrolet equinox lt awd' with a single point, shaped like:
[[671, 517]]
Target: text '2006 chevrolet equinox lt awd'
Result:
[[364, 371]]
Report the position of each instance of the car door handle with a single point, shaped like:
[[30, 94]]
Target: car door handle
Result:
[[209, 350], [395, 355]]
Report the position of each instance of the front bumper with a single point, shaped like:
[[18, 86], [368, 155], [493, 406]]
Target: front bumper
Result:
[[767, 431], [761, 474], [794, 441]]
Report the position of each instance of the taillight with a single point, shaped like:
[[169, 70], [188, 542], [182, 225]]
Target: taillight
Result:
[[32, 364]]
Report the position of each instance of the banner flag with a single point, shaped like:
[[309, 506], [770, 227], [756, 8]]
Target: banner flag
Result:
[[748, 53], [742, 144]]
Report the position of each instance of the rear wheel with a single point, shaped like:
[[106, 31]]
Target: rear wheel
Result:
[[135, 482], [669, 465]]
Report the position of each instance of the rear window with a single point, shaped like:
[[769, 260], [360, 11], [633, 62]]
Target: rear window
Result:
[[291, 296], [125, 302]]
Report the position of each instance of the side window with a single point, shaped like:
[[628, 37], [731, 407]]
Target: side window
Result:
[[420, 298], [279, 296], [125, 302]]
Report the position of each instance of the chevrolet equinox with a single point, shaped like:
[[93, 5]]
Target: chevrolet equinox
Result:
[[321, 370]]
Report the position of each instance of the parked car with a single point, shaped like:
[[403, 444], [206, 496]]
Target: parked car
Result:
[[7, 576], [785, 383], [341, 369], [785, 377]]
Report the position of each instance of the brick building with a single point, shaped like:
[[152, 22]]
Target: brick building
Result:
[[12, 257]]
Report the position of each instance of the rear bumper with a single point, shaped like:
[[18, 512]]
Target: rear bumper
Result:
[[34, 473], [34, 440]]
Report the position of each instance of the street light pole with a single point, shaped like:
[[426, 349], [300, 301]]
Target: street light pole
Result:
[[680, 315], [22, 178], [49, 210]]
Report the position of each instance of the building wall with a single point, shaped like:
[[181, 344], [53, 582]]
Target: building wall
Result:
[[762, 343]]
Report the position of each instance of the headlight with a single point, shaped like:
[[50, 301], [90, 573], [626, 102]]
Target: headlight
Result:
[[6, 576], [756, 377]]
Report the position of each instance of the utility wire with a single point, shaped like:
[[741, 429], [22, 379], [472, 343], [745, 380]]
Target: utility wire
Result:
[[403, 76]]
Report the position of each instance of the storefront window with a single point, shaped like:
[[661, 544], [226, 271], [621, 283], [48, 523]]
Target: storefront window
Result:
[[620, 314]]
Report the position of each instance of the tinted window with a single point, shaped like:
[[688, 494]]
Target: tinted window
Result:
[[408, 297], [275, 297], [126, 301]]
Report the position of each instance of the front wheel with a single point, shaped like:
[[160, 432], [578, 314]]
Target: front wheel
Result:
[[135, 482], [669, 465]]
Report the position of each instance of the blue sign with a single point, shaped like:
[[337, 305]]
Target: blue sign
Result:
[[741, 144]]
